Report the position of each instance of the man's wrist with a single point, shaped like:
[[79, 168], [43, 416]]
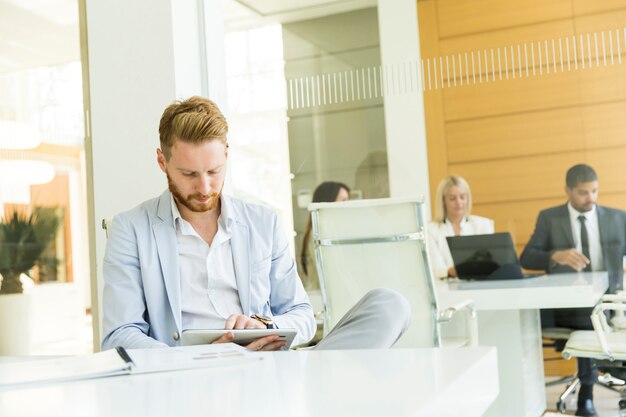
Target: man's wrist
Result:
[[553, 262], [267, 321]]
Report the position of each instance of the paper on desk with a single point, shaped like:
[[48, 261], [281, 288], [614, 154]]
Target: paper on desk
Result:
[[110, 363], [35, 370], [189, 357]]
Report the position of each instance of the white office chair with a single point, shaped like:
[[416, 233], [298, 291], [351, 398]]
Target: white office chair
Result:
[[365, 244], [607, 342]]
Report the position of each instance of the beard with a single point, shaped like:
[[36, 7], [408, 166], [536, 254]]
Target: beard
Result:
[[190, 201]]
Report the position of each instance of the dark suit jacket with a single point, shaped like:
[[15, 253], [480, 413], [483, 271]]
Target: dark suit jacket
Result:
[[554, 232]]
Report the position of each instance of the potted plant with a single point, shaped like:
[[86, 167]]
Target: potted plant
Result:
[[23, 240]]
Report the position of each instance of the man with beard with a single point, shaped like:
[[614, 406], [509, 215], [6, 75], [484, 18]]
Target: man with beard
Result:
[[579, 236], [195, 258]]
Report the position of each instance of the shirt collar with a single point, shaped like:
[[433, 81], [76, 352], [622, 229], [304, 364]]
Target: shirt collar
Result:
[[465, 220], [573, 213], [175, 212], [226, 215]]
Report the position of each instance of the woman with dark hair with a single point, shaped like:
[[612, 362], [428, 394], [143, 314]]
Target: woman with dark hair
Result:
[[328, 191]]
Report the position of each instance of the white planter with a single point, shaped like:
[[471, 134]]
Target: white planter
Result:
[[15, 319], [58, 317]]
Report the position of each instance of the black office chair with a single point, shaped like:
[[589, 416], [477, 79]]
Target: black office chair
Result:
[[556, 338]]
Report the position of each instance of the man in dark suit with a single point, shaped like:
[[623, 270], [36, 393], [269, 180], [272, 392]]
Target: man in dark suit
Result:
[[579, 236]]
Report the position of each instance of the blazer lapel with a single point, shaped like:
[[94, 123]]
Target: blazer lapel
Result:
[[240, 243], [566, 226], [604, 228], [167, 248]]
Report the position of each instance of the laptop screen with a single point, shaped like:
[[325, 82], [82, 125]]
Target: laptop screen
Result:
[[485, 257]]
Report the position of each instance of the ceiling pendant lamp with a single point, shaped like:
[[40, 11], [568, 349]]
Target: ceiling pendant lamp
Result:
[[25, 172]]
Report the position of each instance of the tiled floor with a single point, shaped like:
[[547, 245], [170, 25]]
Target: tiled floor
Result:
[[605, 400]]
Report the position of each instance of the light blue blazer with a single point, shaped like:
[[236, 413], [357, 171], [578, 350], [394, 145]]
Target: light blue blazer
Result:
[[142, 301]]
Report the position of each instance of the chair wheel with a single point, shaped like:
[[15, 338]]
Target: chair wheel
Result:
[[560, 406]]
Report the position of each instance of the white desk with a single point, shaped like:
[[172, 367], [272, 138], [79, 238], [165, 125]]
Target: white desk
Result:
[[393, 382], [508, 318]]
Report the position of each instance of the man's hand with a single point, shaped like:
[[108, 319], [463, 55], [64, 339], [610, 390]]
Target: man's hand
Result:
[[452, 272], [266, 343], [570, 257], [240, 322]]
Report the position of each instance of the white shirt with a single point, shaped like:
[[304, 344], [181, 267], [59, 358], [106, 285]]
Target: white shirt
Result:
[[593, 232], [438, 250], [207, 274]]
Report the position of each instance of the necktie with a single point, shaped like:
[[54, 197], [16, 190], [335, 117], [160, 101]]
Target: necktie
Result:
[[584, 241]]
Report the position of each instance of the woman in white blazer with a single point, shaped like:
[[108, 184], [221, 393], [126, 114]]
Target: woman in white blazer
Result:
[[453, 204]]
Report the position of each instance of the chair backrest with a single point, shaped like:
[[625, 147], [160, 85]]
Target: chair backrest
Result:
[[365, 244], [106, 226]]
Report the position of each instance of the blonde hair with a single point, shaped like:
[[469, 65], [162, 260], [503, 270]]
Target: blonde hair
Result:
[[195, 120], [443, 187]]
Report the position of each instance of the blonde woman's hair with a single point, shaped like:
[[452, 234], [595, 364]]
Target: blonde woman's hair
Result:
[[195, 120], [443, 187]]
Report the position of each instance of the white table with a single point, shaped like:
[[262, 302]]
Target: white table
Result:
[[508, 318], [393, 382]]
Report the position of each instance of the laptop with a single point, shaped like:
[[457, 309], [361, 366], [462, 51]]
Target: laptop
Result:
[[485, 257]]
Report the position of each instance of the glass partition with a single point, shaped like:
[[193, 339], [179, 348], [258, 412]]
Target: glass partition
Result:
[[42, 175]]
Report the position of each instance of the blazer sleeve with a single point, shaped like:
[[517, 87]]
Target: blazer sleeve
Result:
[[490, 226], [289, 302], [435, 251], [538, 250], [124, 309]]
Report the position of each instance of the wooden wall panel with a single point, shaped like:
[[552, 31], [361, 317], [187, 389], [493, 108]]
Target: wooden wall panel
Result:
[[612, 18], [582, 7], [459, 17], [517, 179], [582, 127], [512, 96], [603, 84], [507, 37], [514, 139], [604, 124], [549, 43], [519, 217], [520, 134], [610, 166], [617, 200], [433, 101], [541, 92]]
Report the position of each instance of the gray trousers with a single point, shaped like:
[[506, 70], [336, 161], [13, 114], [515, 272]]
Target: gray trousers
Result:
[[375, 322]]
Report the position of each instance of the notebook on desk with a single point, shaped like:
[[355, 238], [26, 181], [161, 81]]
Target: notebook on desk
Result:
[[120, 361], [485, 257]]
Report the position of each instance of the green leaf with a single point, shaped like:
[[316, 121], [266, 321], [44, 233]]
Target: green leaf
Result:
[[23, 239]]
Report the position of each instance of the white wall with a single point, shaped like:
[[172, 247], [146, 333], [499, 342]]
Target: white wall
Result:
[[404, 113], [142, 54]]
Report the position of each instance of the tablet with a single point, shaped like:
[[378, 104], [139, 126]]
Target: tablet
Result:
[[242, 337]]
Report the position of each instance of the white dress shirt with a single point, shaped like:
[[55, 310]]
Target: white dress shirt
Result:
[[593, 232], [438, 250], [207, 275]]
